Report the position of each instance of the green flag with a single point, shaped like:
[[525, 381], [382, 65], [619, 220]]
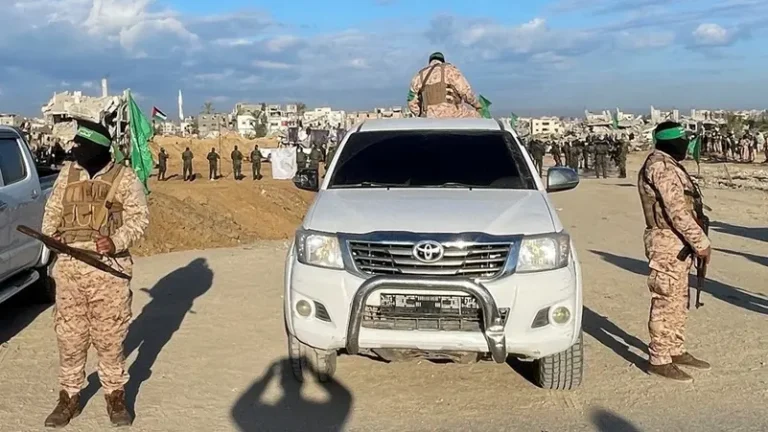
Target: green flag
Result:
[[141, 132], [485, 111], [615, 120], [694, 148], [513, 120]]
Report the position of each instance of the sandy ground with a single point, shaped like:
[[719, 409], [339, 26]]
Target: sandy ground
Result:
[[207, 343]]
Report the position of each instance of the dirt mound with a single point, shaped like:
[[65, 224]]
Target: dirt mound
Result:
[[205, 214]]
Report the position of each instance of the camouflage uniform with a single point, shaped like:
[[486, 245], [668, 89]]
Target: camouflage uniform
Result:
[[237, 163], [665, 192], [601, 159], [186, 158], [256, 163], [622, 158], [93, 306], [442, 90]]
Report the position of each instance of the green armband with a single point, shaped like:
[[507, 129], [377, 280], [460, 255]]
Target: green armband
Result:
[[411, 95]]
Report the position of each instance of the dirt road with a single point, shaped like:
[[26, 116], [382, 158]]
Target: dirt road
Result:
[[207, 343]]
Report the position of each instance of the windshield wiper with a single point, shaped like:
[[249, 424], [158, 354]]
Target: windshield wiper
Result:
[[371, 184], [456, 185]]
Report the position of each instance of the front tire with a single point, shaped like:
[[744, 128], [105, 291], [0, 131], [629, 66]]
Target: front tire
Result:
[[310, 362], [563, 370]]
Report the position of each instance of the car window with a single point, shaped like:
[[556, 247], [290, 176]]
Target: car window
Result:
[[419, 159], [11, 161]]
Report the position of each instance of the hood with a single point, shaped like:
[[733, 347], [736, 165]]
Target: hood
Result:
[[496, 212]]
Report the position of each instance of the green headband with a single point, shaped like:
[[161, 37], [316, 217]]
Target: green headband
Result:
[[93, 136], [670, 134]]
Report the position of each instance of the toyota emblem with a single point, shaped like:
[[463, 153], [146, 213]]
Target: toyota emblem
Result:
[[428, 251]]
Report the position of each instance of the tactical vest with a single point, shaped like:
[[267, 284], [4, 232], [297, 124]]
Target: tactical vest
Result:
[[437, 93], [89, 209], [653, 206]]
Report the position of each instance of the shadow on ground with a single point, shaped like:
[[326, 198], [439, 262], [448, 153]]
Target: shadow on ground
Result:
[[727, 293], [614, 337], [292, 412], [606, 421], [762, 260], [754, 233], [172, 298], [19, 312]]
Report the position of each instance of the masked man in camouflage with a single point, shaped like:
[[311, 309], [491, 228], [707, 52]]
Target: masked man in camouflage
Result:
[[667, 193], [440, 90], [99, 206]]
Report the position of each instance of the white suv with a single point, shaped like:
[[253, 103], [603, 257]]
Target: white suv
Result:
[[434, 238]]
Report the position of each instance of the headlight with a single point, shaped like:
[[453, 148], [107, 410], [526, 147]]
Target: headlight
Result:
[[539, 253], [320, 250]]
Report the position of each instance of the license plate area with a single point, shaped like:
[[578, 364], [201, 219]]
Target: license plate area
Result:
[[428, 305], [424, 312]]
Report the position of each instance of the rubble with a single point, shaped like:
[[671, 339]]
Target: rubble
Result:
[[730, 176], [66, 107]]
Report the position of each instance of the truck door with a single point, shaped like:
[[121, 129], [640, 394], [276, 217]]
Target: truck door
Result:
[[20, 201]]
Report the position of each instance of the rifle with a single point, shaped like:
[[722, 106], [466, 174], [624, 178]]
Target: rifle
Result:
[[91, 258], [701, 266]]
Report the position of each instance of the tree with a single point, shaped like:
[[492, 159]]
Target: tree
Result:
[[301, 108], [260, 123], [208, 107]]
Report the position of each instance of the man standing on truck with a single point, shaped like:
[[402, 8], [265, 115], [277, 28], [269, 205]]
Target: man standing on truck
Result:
[[99, 206], [440, 90], [667, 194], [186, 158]]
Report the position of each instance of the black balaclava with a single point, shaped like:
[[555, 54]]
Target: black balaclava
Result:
[[92, 146], [671, 139]]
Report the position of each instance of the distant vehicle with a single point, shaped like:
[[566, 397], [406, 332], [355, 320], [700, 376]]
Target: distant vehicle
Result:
[[415, 246], [24, 189]]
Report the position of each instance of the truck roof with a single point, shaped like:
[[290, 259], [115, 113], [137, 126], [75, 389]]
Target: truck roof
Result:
[[418, 123]]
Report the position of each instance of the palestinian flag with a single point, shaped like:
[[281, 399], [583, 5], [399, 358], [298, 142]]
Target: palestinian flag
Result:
[[156, 113]]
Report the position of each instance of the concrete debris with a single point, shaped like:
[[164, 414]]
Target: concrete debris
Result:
[[734, 179]]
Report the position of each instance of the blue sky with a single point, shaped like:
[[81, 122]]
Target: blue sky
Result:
[[534, 57]]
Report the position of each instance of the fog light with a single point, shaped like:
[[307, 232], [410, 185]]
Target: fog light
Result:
[[561, 315], [303, 308]]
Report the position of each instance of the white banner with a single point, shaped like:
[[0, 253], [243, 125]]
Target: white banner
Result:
[[283, 162]]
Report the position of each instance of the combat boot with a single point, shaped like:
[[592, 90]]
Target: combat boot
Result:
[[118, 412], [686, 359], [671, 371], [67, 409]]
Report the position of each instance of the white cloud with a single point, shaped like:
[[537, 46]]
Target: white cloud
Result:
[[711, 34], [88, 84], [281, 43], [266, 64]]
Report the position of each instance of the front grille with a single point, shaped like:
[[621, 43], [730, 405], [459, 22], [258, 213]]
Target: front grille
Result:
[[476, 260], [471, 320]]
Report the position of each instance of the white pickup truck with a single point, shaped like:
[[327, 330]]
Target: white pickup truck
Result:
[[24, 188], [415, 247]]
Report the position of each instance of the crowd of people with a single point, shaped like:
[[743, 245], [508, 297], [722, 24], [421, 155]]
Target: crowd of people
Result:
[[322, 148], [595, 152], [735, 148]]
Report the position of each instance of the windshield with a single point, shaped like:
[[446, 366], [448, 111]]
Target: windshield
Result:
[[419, 159]]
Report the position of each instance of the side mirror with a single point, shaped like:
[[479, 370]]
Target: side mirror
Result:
[[307, 179], [561, 179]]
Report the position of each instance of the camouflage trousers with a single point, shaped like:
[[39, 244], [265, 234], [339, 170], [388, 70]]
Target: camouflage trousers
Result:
[[92, 307], [669, 310]]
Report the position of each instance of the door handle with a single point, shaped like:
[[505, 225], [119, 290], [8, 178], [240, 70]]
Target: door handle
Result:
[[35, 193], [3, 205]]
